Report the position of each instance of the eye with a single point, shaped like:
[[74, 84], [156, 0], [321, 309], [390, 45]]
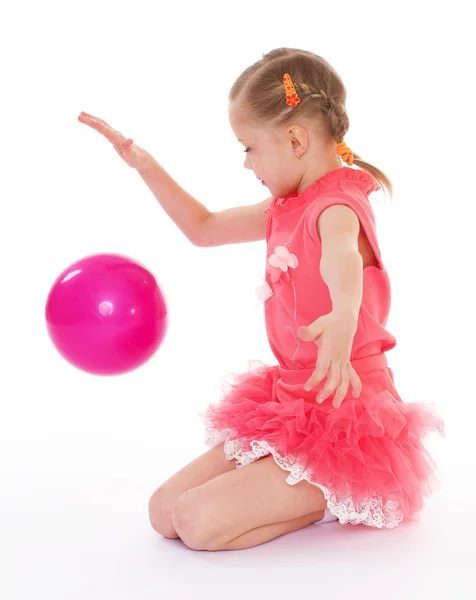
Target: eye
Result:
[[247, 150]]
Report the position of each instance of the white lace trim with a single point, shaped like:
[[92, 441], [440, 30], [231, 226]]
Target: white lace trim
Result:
[[373, 512]]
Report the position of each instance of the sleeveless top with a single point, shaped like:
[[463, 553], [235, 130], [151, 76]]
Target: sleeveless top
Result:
[[297, 294]]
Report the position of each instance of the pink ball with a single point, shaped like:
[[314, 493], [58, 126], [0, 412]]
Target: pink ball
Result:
[[106, 315]]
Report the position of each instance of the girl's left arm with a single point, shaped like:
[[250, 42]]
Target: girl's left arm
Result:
[[341, 263], [342, 270]]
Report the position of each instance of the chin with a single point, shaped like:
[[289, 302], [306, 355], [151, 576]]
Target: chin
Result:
[[279, 192]]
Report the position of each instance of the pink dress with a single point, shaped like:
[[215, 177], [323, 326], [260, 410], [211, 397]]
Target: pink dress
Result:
[[367, 456]]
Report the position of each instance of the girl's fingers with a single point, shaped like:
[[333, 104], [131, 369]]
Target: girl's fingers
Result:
[[115, 137], [317, 376], [312, 331], [85, 114], [331, 384], [93, 122], [341, 388], [305, 334], [354, 381]]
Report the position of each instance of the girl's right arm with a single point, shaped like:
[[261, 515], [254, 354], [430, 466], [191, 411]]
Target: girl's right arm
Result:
[[202, 227], [199, 225]]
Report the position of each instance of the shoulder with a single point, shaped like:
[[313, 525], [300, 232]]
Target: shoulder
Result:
[[339, 201], [337, 220], [342, 207], [343, 186]]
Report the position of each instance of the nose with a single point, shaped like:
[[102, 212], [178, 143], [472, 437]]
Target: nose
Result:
[[247, 164]]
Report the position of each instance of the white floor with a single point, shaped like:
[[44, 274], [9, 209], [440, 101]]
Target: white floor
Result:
[[72, 528]]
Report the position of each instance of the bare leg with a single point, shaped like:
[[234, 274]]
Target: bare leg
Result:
[[205, 467], [247, 506], [264, 534]]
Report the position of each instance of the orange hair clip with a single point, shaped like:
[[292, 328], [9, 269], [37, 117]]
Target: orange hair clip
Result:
[[291, 97], [344, 151]]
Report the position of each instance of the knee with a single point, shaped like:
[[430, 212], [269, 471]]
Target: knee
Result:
[[160, 513], [190, 521]]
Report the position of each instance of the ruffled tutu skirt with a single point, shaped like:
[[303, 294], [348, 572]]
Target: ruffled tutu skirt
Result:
[[367, 456]]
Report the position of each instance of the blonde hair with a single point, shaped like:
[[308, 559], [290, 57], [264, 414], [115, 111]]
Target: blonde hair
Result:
[[320, 89]]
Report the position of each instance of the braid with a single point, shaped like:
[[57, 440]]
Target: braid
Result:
[[334, 111], [310, 92], [339, 122]]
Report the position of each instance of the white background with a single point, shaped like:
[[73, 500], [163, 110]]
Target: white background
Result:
[[80, 455]]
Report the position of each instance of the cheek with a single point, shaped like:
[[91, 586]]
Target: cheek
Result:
[[275, 166], [283, 168], [283, 161]]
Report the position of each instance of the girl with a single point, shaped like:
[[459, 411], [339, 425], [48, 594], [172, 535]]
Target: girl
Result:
[[324, 434]]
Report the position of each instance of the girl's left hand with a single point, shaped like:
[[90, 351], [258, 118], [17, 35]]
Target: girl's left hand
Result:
[[333, 334]]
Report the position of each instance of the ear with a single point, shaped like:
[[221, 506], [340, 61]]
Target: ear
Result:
[[298, 138]]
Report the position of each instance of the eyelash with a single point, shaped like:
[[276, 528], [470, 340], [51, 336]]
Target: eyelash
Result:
[[247, 150]]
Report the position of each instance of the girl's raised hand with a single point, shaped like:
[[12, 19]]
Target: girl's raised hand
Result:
[[133, 155]]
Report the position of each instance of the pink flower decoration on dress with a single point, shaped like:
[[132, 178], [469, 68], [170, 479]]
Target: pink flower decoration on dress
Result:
[[264, 292], [280, 262]]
